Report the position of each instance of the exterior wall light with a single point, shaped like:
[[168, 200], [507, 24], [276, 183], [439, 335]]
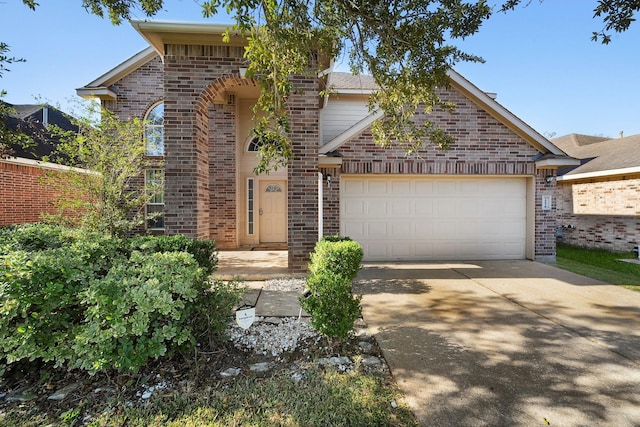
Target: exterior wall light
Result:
[[549, 179]]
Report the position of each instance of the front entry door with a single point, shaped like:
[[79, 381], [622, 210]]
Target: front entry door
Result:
[[273, 212]]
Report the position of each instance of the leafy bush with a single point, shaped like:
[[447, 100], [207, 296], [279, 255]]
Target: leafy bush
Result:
[[138, 311], [40, 293], [89, 301], [37, 236], [330, 302], [204, 251], [338, 255]]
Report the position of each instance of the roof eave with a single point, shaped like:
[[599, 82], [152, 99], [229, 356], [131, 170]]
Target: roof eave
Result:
[[102, 93], [159, 34], [325, 161], [557, 162], [600, 174]]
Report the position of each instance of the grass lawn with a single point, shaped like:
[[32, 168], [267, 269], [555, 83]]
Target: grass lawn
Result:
[[600, 265]]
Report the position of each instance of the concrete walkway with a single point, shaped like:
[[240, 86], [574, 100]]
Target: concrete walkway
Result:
[[506, 343]]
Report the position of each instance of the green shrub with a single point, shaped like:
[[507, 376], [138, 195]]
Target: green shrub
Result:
[[140, 310], [339, 256], [330, 302], [204, 251], [86, 300], [38, 236], [40, 288]]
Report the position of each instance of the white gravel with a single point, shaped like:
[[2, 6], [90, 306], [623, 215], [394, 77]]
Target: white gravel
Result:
[[272, 336], [287, 284]]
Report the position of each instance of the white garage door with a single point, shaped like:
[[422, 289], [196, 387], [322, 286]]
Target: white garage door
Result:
[[444, 218]]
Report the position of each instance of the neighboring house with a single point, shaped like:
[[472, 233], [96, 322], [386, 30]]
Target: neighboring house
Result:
[[34, 120], [27, 190], [599, 200], [485, 198]]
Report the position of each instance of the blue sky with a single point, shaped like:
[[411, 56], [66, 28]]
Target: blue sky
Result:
[[539, 60]]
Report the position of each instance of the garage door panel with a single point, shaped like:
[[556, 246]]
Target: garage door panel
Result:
[[401, 229], [376, 208], [419, 218]]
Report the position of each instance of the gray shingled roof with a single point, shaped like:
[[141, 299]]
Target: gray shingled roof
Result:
[[349, 81], [600, 154], [22, 111]]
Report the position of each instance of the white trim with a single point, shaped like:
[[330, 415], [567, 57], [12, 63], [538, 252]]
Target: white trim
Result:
[[329, 162], [351, 132], [351, 91], [599, 174], [557, 163], [99, 88]]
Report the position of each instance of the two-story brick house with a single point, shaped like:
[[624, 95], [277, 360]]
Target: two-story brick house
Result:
[[488, 197]]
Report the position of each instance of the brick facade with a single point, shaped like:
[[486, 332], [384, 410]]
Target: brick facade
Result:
[[600, 213], [201, 150], [483, 147], [24, 192]]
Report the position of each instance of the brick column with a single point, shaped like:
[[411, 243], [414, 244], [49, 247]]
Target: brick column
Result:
[[546, 223], [223, 179], [304, 113], [186, 152]]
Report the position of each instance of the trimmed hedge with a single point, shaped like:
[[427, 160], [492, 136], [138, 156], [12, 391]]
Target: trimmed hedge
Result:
[[335, 262], [204, 251]]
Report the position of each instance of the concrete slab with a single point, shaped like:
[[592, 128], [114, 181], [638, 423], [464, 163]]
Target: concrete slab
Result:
[[279, 304], [506, 343], [253, 265]]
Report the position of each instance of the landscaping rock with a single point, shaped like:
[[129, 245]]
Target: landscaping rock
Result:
[[63, 392], [261, 367], [230, 372]]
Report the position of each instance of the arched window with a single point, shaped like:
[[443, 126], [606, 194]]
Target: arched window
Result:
[[254, 145], [154, 131]]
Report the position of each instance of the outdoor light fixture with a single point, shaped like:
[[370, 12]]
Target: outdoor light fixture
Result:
[[549, 179], [243, 72], [328, 180]]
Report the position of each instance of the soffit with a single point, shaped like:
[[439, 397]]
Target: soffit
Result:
[[159, 34]]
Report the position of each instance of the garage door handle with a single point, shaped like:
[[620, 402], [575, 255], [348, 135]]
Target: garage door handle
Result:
[[260, 211]]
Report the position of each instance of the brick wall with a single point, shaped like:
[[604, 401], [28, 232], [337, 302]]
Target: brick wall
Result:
[[138, 91], [24, 194], [331, 202], [223, 178], [545, 221], [602, 213]]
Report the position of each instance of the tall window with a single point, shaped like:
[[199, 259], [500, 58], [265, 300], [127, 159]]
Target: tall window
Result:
[[154, 184], [154, 131], [250, 202]]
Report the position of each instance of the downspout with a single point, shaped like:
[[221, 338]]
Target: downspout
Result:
[[320, 203]]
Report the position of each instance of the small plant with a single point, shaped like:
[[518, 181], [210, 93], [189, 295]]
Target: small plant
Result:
[[335, 262]]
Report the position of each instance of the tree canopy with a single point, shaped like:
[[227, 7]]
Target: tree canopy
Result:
[[406, 45]]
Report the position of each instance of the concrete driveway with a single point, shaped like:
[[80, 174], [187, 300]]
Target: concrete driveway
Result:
[[506, 343]]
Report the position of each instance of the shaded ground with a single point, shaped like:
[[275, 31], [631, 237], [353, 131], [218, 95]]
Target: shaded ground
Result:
[[506, 343]]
